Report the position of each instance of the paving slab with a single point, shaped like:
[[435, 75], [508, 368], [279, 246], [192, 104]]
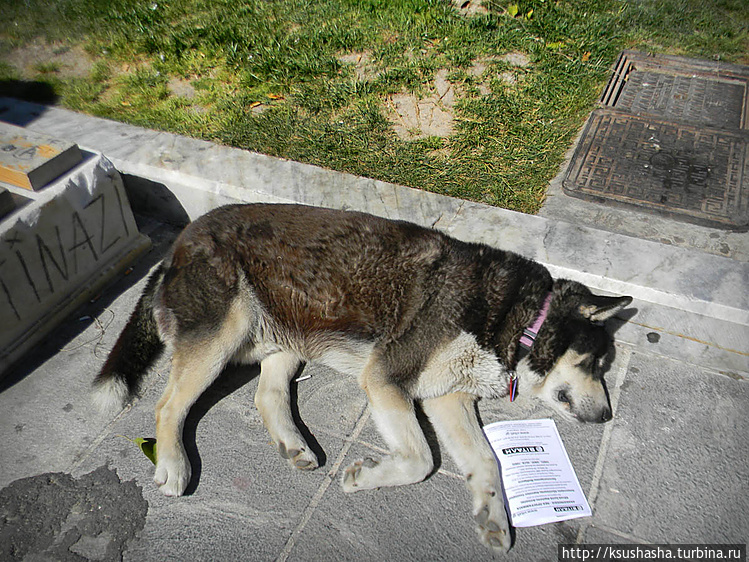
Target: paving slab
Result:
[[244, 498], [47, 429], [595, 534], [413, 522], [328, 401], [678, 456]]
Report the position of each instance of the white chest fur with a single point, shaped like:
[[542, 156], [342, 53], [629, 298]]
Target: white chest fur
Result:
[[462, 366]]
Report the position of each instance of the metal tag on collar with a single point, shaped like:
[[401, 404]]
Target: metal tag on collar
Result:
[[513, 387]]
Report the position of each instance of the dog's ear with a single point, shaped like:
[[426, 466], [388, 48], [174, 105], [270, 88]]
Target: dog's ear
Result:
[[598, 309]]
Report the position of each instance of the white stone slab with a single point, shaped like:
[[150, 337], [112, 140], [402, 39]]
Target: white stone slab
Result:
[[59, 249]]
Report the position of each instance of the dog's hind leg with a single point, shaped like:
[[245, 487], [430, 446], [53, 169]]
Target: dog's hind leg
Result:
[[410, 459], [272, 400], [197, 361], [194, 367], [454, 418]]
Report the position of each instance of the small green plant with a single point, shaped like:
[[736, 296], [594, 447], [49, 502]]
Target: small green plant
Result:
[[147, 445]]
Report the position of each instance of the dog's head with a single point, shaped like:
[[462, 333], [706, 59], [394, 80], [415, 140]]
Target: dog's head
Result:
[[572, 351]]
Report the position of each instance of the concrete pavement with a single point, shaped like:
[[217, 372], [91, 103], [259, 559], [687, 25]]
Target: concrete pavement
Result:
[[670, 468]]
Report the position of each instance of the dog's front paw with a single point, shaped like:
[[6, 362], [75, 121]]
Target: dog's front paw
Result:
[[301, 458], [355, 476], [491, 522], [172, 475]]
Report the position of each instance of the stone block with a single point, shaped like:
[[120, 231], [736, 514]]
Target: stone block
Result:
[[60, 249]]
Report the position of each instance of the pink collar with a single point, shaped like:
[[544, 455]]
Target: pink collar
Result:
[[527, 340], [530, 333]]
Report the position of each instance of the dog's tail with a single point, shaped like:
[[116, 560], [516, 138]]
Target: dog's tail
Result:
[[138, 346]]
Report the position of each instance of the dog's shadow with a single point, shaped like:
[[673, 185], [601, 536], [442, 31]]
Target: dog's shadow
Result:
[[612, 326], [232, 379]]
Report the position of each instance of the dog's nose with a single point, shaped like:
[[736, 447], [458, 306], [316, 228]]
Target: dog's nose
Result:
[[605, 415]]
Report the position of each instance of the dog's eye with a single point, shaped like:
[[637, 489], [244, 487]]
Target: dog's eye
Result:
[[587, 363], [563, 397]]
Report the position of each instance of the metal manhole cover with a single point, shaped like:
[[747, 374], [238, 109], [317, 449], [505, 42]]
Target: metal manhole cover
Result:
[[676, 88], [697, 173], [716, 103], [672, 138]]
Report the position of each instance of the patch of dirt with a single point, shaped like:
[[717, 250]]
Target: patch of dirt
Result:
[[445, 90], [414, 118], [59, 58], [258, 109], [441, 154], [515, 59], [470, 7], [364, 68], [480, 69], [417, 119], [181, 88]]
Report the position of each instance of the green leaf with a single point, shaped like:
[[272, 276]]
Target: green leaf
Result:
[[513, 10], [148, 446]]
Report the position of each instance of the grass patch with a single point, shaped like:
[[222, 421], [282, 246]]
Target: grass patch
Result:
[[311, 81]]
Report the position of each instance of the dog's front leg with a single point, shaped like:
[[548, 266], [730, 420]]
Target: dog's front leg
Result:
[[410, 458], [454, 418]]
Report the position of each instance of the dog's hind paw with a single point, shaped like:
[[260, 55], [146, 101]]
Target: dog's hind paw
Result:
[[492, 525], [172, 476], [302, 458]]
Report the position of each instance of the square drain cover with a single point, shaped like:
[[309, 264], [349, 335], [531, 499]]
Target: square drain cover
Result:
[[672, 138]]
